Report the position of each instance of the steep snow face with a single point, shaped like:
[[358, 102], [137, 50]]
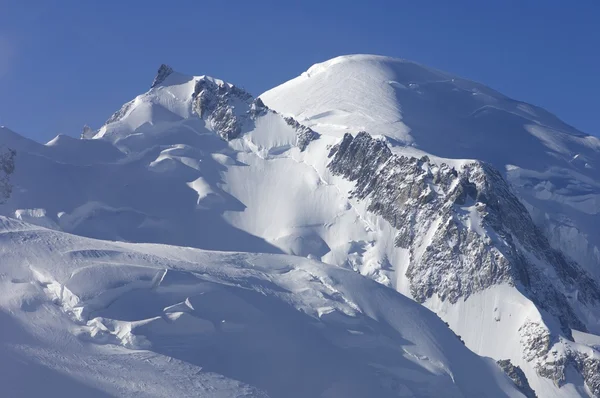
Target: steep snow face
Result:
[[553, 166], [87, 317]]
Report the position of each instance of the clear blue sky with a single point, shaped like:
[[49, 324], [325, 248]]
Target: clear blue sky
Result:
[[65, 63]]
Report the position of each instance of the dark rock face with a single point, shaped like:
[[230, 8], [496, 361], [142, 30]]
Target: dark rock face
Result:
[[7, 167], [163, 72], [305, 135], [518, 377], [555, 369], [422, 201], [229, 108], [589, 367], [223, 105], [466, 231]]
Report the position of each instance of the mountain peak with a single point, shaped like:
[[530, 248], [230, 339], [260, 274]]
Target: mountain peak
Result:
[[411, 104], [163, 72]]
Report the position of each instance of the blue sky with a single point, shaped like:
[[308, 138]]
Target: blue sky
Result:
[[70, 62]]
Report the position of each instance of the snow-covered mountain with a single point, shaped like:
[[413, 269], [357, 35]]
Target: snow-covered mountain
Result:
[[477, 206], [552, 166], [533, 161]]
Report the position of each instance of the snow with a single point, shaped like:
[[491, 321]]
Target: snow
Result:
[[588, 339], [490, 321], [159, 258], [333, 103], [82, 316], [427, 112]]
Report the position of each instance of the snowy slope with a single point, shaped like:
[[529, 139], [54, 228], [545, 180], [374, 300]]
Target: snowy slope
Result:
[[197, 162], [87, 317], [553, 166]]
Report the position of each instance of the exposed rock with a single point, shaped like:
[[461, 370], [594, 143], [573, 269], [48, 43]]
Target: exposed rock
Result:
[[163, 72], [535, 340], [589, 367], [305, 135], [228, 108], [7, 167], [518, 377], [447, 258], [554, 366], [258, 108], [466, 231], [223, 105]]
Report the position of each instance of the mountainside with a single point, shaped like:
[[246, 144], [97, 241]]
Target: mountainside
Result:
[[477, 206], [551, 165], [87, 317]]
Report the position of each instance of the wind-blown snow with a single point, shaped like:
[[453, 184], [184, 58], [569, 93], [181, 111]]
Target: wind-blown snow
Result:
[[420, 111], [82, 316], [449, 117]]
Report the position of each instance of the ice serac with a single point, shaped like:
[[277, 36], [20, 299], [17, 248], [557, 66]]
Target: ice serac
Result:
[[552, 166]]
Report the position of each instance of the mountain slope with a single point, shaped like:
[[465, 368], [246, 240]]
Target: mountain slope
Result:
[[552, 166], [82, 316], [423, 114]]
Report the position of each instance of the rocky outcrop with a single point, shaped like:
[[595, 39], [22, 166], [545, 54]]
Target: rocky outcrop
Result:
[[535, 340], [163, 72], [553, 364], [305, 135], [589, 367], [424, 203], [518, 377], [228, 109], [7, 167], [223, 105], [466, 231]]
